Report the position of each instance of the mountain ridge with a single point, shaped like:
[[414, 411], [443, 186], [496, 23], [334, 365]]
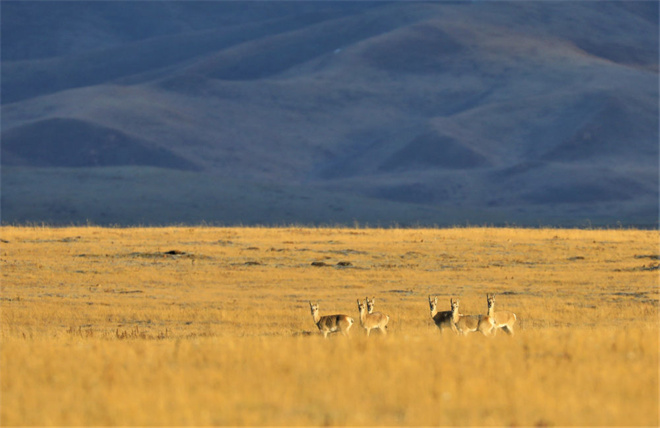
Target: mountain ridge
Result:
[[508, 106]]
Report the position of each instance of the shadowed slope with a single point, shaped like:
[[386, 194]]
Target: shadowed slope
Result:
[[73, 143]]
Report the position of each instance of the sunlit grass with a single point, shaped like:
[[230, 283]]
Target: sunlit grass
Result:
[[104, 327]]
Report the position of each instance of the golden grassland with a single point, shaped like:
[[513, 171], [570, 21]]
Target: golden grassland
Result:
[[211, 326]]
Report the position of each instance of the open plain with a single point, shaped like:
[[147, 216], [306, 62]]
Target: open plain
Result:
[[212, 326]]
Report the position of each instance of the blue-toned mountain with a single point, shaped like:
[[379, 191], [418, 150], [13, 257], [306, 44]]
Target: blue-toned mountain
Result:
[[381, 112]]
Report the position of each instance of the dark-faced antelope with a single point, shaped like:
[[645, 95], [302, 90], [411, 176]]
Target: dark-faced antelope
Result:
[[374, 320], [441, 319], [472, 323], [503, 319], [330, 323]]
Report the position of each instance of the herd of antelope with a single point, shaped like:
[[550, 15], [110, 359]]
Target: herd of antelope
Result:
[[487, 324]]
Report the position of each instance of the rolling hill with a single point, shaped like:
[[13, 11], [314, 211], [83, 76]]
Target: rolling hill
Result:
[[381, 112]]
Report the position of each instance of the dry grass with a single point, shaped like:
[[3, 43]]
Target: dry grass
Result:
[[104, 327]]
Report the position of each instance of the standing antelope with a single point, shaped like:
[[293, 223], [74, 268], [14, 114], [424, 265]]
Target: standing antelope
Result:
[[371, 321], [441, 319], [465, 324], [503, 319], [370, 305], [330, 323]]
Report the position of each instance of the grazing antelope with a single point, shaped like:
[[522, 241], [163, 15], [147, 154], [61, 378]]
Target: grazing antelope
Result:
[[330, 323], [465, 324], [441, 319], [371, 321], [503, 319]]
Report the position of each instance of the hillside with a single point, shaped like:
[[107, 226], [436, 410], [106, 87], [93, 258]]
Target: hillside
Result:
[[521, 112]]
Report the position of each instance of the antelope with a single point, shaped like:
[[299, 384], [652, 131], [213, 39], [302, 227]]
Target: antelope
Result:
[[330, 323], [503, 319], [370, 321], [370, 305], [465, 324], [441, 319]]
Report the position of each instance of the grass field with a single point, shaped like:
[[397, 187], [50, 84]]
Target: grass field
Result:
[[211, 326]]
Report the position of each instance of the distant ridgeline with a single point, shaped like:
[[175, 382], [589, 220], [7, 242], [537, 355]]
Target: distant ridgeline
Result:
[[381, 113]]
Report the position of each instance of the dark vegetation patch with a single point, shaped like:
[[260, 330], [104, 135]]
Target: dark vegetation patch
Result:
[[649, 267], [66, 239], [345, 252], [648, 256], [304, 333], [637, 294], [340, 264], [399, 291], [171, 254]]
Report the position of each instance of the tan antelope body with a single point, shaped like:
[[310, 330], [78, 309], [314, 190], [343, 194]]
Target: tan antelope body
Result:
[[503, 319], [441, 319], [330, 323], [374, 320], [485, 324]]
